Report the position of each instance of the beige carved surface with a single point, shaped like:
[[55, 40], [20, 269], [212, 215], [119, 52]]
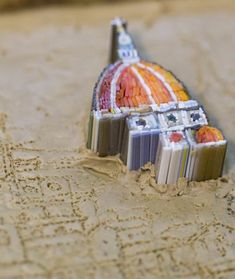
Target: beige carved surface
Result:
[[64, 213]]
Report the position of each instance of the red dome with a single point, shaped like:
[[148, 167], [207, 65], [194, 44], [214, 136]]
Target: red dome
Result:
[[137, 84], [208, 134]]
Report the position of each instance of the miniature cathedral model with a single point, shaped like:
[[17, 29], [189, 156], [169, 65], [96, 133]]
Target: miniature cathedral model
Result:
[[144, 113]]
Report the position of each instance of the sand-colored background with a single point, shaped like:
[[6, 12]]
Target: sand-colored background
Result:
[[9, 5], [64, 213]]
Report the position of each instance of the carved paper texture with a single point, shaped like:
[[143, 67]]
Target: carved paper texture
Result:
[[64, 212]]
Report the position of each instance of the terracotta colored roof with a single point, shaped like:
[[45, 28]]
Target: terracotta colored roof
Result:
[[138, 84], [208, 134]]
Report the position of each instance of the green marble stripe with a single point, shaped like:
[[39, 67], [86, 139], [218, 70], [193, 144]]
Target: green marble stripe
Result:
[[90, 128], [183, 163]]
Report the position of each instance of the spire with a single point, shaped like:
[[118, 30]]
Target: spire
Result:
[[122, 47]]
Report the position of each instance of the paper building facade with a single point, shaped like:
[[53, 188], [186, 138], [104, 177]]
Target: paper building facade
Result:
[[144, 113]]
